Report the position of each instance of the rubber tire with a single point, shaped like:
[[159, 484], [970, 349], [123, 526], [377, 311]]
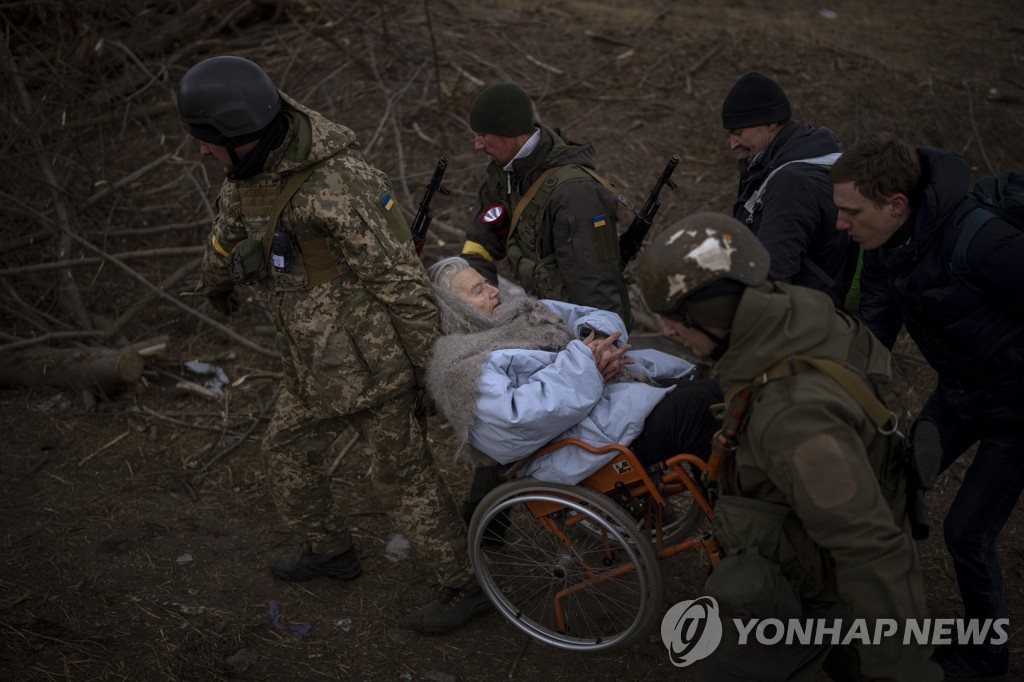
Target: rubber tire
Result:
[[539, 565]]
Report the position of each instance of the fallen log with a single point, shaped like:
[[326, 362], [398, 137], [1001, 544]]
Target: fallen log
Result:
[[105, 369]]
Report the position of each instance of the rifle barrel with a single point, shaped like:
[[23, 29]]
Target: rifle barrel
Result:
[[421, 223]]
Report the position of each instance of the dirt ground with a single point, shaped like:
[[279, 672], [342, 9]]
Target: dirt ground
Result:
[[136, 531]]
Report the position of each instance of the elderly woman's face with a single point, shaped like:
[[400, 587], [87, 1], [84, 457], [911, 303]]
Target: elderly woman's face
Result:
[[470, 286]]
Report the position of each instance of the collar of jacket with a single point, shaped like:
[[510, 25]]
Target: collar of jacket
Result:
[[526, 149], [549, 146], [763, 161], [552, 150]]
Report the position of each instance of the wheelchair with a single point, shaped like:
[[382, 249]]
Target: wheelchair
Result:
[[577, 567]]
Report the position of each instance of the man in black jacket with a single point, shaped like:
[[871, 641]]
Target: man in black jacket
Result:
[[905, 207], [784, 195]]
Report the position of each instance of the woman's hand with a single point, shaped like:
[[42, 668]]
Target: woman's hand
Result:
[[610, 360]]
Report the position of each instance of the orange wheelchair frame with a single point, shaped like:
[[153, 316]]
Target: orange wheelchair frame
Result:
[[577, 567]]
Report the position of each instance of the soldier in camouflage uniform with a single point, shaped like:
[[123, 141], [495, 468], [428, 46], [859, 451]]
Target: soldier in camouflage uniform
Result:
[[354, 321], [810, 509]]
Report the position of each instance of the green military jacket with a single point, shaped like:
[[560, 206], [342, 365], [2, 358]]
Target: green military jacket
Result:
[[813, 485], [365, 334], [565, 246]]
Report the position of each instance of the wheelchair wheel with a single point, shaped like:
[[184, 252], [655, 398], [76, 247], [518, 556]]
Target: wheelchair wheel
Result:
[[682, 521], [565, 565]]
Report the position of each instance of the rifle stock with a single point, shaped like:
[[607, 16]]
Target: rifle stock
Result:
[[633, 238], [424, 216]]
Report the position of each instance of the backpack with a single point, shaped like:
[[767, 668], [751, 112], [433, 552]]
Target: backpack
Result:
[[998, 196]]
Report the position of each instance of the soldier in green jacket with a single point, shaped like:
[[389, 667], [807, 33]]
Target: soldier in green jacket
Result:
[[543, 208], [354, 319], [810, 508]]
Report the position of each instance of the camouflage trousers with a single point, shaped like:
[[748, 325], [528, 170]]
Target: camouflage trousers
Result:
[[404, 475]]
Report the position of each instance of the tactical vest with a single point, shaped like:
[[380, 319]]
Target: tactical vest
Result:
[[311, 260], [531, 246]]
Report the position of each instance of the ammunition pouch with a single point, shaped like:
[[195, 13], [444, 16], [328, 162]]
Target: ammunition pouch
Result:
[[248, 263]]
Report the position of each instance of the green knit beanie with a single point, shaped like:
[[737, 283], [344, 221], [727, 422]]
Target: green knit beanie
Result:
[[502, 109]]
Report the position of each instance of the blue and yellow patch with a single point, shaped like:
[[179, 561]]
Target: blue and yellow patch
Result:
[[599, 221], [387, 202]]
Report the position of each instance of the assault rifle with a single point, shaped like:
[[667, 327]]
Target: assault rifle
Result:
[[421, 223], [633, 238]]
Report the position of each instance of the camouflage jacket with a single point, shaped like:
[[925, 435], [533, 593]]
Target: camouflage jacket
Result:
[[568, 250], [814, 486], [363, 336]]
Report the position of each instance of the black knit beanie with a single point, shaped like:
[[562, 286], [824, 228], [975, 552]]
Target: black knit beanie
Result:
[[502, 109], [753, 101]]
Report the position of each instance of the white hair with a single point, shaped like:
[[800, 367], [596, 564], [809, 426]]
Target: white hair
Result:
[[441, 272]]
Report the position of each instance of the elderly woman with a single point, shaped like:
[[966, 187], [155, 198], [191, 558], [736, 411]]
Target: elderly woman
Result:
[[512, 374]]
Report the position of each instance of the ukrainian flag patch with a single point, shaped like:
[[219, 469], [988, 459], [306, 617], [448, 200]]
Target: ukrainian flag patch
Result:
[[387, 202], [599, 221]]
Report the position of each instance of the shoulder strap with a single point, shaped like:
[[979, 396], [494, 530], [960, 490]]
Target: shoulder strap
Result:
[[816, 269], [294, 182], [883, 418], [739, 397], [973, 221], [593, 173], [528, 197], [754, 202], [534, 188]]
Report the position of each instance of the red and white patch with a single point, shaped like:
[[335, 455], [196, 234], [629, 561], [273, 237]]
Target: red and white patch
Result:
[[493, 214]]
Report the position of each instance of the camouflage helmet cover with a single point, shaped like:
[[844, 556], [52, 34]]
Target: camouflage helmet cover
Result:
[[231, 94], [697, 251]]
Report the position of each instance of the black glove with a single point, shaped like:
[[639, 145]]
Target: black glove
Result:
[[226, 301]]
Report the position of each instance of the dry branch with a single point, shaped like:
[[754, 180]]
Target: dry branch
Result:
[[131, 177], [141, 304], [71, 301], [227, 331], [126, 255], [264, 410]]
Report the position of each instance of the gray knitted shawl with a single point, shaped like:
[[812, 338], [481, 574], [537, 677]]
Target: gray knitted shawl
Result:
[[469, 337]]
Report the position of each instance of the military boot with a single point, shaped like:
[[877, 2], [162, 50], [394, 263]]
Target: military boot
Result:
[[307, 565], [452, 609]]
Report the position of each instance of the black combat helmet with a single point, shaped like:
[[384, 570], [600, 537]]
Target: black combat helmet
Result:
[[697, 256], [231, 95]]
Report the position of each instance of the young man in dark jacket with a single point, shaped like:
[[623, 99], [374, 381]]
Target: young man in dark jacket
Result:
[[904, 207], [784, 195]]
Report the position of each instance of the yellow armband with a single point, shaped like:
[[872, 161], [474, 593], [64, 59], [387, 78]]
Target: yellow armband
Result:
[[471, 248], [215, 243]]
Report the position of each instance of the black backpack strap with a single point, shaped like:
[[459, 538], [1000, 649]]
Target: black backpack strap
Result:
[[968, 226]]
